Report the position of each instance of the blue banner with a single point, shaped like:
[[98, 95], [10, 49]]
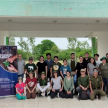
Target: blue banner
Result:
[[8, 70]]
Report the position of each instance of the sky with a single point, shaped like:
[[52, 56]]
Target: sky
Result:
[[62, 43]]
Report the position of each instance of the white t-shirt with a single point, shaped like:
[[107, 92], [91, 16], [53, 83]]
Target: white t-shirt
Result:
[[98, 62], [56, 83]]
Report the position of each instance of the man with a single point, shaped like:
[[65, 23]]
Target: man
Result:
[[72, 63], [21, 64], [30, 67], [96, 56], [49, 63], [55, 66], [83, 83], [64, 68], [96, 85], [43, 86], [107, 57], [86, 60]]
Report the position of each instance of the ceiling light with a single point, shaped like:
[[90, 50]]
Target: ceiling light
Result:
[[54, 21], [9, 20], [97, 21]]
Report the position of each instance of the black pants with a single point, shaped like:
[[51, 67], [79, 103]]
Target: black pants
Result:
[[69, 95], [61, 94]]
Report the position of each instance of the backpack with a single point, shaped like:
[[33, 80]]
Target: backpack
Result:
[[83, 95]]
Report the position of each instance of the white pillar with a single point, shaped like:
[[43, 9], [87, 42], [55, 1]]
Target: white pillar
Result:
[[102, 43], [3, 35]]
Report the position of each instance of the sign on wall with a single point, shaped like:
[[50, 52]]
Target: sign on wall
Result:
[[8, 70]]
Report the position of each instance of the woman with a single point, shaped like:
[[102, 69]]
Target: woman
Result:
[[68, 85], [103, 67], [91, 66], [20, 89], [57, 87], [41, 66], [31, 83], [80, 65]]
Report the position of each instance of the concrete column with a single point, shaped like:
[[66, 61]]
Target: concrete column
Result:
[[3, 35], [102, 43]]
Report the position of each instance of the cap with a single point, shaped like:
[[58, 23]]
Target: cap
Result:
[[82, 70], [30, 58], [19, 78], [103, 58], [54, 71], [43, 73]]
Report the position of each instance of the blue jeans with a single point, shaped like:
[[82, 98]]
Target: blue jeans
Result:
[[105, 81], [22, 75]]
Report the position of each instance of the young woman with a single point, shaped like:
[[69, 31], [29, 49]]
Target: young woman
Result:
[[57, 87], [41, 66], [91, 66], [20, 89], [31, 83], [103, 67], [68, 85], [80, 65]]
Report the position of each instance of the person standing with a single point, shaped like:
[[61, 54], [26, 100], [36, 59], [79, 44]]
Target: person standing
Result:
[[107, 57], [86, 60], [72, 63], [64, 68], [103, 67], [91, 66], [49, 63], [30, 67], [96, 85], [98, 62], [41, 66], [31, 84], [80, 65], [68, 85], [83, 83], [21, 65], [55, 66]]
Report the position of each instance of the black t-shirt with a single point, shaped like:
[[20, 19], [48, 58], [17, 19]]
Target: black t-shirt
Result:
[[86, 61], [56, 67], [41, 67], [30, 68], [80, 66]]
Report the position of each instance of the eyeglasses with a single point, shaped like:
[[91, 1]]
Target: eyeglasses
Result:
[[95, 71]]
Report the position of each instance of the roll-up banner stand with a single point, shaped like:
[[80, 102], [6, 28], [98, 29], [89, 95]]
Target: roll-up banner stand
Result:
[[8, 70]]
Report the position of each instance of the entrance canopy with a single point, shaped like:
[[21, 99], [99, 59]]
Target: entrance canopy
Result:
[[56, 27]]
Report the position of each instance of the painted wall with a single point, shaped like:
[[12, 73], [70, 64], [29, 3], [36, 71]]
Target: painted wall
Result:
[[57, 8]]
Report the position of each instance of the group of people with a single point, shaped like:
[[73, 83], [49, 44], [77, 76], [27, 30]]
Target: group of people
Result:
[[88, 77]]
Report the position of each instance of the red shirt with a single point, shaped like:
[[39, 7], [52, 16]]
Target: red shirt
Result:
[[31, 82], [20, 87]]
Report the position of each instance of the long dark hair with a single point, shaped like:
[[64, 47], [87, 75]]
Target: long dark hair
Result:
[[54, 76], [94, 63]]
